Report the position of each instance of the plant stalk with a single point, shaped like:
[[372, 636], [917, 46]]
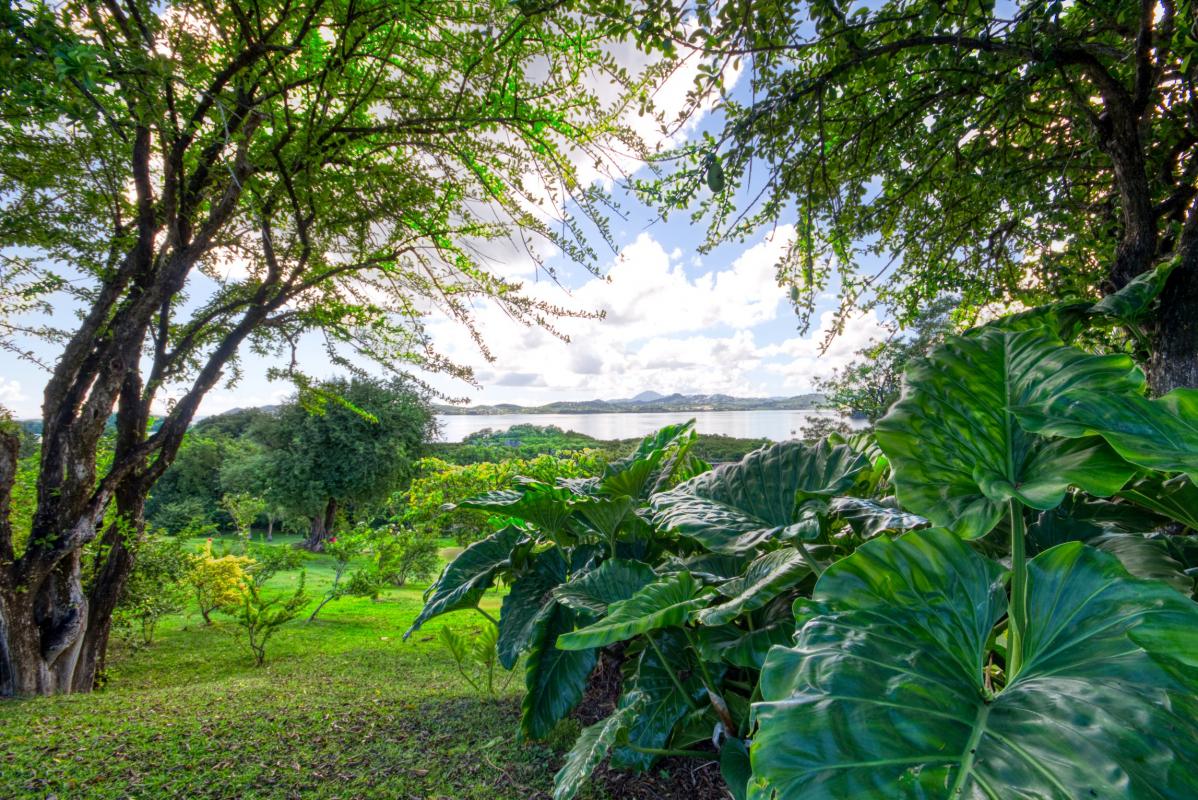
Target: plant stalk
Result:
[[1017, 611], [673, 675], [657, 751], [810, 559]]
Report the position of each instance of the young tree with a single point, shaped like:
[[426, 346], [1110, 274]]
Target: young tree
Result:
[[361, 582], [1012, 151], [261, 618], [195, 178], [347, 452], [244, 508]]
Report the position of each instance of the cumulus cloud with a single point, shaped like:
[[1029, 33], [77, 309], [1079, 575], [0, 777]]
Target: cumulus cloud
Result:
[[668, 327], [799, 360], [11, 395]]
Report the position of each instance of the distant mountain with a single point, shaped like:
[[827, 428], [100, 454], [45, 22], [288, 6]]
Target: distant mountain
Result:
[[650, 401]]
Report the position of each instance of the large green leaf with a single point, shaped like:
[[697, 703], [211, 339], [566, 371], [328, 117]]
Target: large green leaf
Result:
[[1160, 434], [745, 648], [554, 679], [1146, 556], [1175, 498], [529, 598], [652, 465], [957, 450], [464, 580], [612, 581], [736, 507], [767, 577], [735, 767], [605, 514], [868, 518], [885, 693], [547, 507], [589, 750], [1134, 300], [648, 682], [668, 602], [1081, 518]]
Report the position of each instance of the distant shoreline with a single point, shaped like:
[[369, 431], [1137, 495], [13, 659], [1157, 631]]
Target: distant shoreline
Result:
[[671, 404]]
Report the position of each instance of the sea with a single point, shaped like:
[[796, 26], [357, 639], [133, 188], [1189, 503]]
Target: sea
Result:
[[777, 426]]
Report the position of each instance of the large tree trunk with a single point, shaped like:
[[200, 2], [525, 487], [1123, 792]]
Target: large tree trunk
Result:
[[322, 525], [1174, 361]]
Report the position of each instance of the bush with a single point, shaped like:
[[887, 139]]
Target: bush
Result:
[[261, 618], [269, 560], [156, 587], [403, 554], [429, 504], [217, 581]]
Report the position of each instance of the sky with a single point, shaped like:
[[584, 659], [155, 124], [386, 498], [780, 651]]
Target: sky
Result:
[[674, 320]]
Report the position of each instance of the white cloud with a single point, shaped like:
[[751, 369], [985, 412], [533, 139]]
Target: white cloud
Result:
[[11, 395], [798, 360], [663, 329]]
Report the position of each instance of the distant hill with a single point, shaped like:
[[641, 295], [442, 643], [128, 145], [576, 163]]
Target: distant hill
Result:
[[650, 401]]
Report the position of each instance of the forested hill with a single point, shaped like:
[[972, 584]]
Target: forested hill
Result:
[[650, 401]]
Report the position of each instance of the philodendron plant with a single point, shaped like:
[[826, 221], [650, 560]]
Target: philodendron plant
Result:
[[746, 539], [922, 668], [572, 550]]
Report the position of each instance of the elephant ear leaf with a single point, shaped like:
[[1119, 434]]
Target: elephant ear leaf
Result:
[[1175, 498], [554, 679], [464, 580], [1134, 300], [547, 507], [612, 581], [767, 577], [736, 507], [530, 598], [885, 693], [959, 453], [1160, 434], [589, 750], [665, 603]]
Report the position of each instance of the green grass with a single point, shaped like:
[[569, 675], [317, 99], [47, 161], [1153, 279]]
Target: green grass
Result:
[[343, 708]]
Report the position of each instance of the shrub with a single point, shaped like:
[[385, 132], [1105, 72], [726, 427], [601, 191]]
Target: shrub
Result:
[[261, 618], [156, 586], [269, 560], [362, 582], [217, 581], [403, 554], [477, 656]]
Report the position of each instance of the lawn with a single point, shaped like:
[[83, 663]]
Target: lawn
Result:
[[344, 708]]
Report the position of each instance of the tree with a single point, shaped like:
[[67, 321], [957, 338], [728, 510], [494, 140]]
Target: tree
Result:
[[1009, 152], [362, 582], [351, 450], [198, 178], [245, 509], [871, 384]]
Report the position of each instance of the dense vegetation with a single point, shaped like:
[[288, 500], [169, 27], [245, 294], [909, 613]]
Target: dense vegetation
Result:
[[989, 593], [760, 605]]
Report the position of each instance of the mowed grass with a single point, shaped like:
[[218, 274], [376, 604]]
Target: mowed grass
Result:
[[343, 708]]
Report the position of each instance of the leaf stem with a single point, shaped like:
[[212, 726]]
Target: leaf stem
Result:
[[494, 621], [810, 559], [657, 751], [673, 675], [1017, 611]]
